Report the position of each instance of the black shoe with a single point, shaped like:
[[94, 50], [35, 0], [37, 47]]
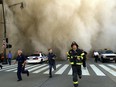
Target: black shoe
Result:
[[84, 67], [80, 77], [76, 85], [19, 80], [1, 67], [28, 73], [50, 76]]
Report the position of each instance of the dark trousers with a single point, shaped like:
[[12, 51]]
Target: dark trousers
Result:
[[96, 58], [76, 72], [9, 61], [20, 70], [1, 66], [84, 62], [50, 68]]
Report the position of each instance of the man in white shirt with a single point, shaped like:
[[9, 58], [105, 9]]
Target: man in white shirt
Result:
[[96, 55]]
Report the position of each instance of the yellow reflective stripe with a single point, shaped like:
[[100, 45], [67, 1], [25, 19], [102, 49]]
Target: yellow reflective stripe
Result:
[[82, 57], [67, 53], [71, 63], [68, 57], [78, 56], [71, 56], [82, 54], [79, 63], [75, 82]]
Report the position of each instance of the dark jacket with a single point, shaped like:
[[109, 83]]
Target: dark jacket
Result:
[[51, 59], [20, 59], [74, 55]]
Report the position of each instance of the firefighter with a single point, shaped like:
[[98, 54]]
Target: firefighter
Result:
[[75, 56]]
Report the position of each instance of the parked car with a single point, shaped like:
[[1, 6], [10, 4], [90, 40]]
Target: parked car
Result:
[[36, 58], [108, 55]]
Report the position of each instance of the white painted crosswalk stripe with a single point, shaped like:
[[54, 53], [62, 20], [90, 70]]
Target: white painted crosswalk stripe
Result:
[[37, 67], [70, 72], [97, 71], [40, 70], [8, 67], [11, 70], [84, 72], [60, 71], [57, 66], [113, 66], [28, 67], [108, 70]]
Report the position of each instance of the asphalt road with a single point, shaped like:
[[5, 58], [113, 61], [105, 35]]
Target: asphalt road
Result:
[[96, 75]]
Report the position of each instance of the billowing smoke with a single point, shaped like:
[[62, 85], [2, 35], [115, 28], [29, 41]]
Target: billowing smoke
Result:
[[55, 24]]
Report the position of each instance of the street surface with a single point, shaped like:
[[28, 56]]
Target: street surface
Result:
[[95, 75]]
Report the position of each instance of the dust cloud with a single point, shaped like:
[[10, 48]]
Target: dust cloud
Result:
[[44, 24]]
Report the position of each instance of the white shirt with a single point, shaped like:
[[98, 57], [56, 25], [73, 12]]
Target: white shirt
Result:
[[96, 53]]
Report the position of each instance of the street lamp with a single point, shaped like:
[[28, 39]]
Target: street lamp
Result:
[[2, 2], [4, 18]]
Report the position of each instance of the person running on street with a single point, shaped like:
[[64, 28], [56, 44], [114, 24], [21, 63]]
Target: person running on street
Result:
[[51, 61], [21, 65]]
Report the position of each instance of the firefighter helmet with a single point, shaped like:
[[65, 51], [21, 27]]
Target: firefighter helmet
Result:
[[74, 43]]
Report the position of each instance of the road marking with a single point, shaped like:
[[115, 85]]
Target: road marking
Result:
[[37, 67], [10, 70], [113, 66], [8, 67], [108, 70], [70, 72], [97, 71], [84, 72], [40, 70], [45, 69], [28, 67], [57, 66], [60, 71]]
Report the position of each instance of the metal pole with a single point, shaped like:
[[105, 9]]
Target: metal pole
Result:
[[5, 59]]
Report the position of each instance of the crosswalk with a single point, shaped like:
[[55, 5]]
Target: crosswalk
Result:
[[96, 69]]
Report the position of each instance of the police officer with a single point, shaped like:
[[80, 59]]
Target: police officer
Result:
[[51, 61], [21, 65], [75, 56]]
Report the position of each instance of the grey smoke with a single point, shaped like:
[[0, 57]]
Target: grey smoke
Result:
[[44, 24]]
